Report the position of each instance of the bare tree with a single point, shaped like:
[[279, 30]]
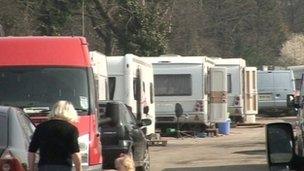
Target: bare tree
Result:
[[292, 52]]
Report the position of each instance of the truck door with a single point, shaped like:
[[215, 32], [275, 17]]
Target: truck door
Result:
[[250, 91], [218, 94]]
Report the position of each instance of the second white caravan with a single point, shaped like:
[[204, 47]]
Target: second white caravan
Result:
[[184, 80], [100, 70], [131, 82], [241, 89]]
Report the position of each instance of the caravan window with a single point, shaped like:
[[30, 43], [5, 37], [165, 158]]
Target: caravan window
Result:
[[112, 84], [151, 93], [136, 88], [229, 86], [173, 85]]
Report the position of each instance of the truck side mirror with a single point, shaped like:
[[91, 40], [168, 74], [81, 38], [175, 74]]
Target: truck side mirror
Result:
[[178, 110], [145, 122], [290, 100], [293, 101], [280, 145]]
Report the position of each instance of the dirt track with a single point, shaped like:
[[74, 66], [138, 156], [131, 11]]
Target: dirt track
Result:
[[242, 150]]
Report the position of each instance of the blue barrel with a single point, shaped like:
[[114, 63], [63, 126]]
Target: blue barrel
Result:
[[224, 127]]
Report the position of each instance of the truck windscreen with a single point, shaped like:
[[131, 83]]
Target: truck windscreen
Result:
[[38, 89]]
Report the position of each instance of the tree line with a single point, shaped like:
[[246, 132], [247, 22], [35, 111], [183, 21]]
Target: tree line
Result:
[[256, 30]]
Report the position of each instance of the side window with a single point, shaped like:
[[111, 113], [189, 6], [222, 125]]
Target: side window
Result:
[[102, 110], [107, 89], [128, 116], [112, 84], [144, 87], [151, 93], [3, 130], [135, 88], [96, 85], [229, 87], [26, 126]]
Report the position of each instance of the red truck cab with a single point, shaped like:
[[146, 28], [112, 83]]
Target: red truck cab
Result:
[[36, 72]]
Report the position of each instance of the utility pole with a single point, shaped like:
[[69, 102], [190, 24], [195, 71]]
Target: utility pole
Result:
[[82, 18]]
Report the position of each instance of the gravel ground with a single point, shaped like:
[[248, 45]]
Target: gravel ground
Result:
[[242, 150]]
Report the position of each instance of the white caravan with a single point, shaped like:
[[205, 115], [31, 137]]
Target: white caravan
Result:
[[99, 65], [131, 82], [186, 80], [241, 89], [273, 88]]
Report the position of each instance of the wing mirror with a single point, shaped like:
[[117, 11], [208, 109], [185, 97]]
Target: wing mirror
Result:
[[145, 122], [293, 101], [280, 146]]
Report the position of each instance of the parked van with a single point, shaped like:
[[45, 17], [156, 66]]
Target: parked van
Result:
[[297, 72], [36, 72], [241, 89], [131, 82], [189, 81], [273, 88]]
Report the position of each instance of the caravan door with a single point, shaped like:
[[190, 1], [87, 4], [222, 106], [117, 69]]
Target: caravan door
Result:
[[218, 94], [250, 91]]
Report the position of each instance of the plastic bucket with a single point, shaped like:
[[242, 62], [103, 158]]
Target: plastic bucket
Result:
[[224, 127]]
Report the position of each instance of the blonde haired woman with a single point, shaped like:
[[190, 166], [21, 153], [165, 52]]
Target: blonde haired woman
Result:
[[64, 110], [57, 140]]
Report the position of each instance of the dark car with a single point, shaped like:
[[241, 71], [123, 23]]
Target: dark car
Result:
[[121, 132], [16, 130]]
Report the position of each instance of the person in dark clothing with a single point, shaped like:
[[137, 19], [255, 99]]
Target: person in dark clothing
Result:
[[56, 140]]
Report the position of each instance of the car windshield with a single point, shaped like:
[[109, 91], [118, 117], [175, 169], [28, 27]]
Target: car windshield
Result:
[[3, 133], [37, 89]]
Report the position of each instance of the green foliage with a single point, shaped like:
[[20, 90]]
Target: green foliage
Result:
[[53, 15], [138, 27], [250, 29]]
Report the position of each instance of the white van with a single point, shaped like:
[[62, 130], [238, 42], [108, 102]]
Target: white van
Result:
[[297, 72], [241, 89], [187, 80], [273, 88], [131, 82], [99, 65]]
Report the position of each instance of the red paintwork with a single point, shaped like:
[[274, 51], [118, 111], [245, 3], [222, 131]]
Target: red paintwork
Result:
[[54, 51], [85, 124], [95, 146], [41, 51]]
